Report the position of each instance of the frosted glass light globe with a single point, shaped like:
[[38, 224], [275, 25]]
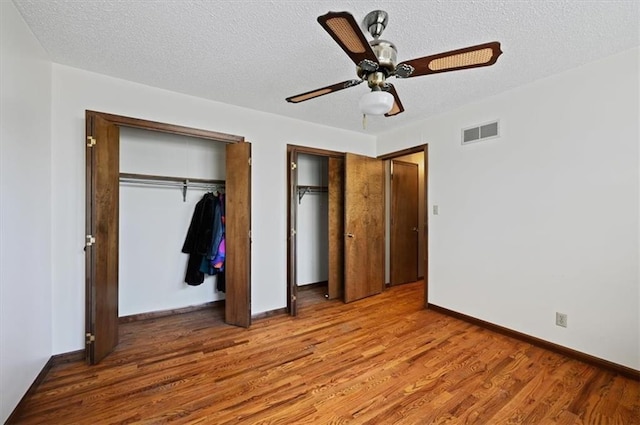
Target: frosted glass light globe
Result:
[[376, 102]]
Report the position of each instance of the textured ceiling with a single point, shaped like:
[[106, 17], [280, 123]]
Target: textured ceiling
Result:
[[256, 53]]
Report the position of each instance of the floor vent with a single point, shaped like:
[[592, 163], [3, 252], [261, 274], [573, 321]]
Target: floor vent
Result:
[[481, 132]]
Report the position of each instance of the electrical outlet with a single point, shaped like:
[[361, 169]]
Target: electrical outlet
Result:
[[561, 319], [436, 210]]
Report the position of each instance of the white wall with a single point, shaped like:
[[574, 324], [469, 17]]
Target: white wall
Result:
[[25, 208], [544, 218], [154, 220], [75, 90], [313, 222]]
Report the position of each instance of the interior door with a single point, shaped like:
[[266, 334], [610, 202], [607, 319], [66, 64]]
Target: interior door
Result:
[[238, 234], [101, 250], [364, 227], [336, 228], [292, 248], [404, 222]]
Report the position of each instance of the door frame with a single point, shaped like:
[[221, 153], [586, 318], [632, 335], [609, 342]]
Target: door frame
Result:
[[90, 204], [416, 149], [292, 154]]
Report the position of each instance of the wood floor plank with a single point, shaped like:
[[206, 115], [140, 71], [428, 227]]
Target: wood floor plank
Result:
[[380, 360]]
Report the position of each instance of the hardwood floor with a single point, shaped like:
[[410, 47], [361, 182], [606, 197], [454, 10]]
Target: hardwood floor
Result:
[[311, 295], [381, 360]]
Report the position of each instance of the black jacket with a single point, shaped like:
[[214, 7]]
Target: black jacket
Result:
[[198, 238]]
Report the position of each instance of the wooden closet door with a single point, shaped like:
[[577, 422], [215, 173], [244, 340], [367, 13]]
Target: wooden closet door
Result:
[[292, 239], [364, 227], [336, 228], [238, 234], [101, 251]]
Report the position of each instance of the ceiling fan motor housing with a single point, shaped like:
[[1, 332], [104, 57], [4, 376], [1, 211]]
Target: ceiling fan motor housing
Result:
[[386, 53]]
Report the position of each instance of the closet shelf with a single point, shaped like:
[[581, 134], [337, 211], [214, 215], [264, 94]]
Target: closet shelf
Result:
[[172, 181], [303, 190]]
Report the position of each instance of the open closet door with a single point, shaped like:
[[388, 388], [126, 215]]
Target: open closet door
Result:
[[292, 248], [336, 228], [364, 227], [238, 234], [101, 250]]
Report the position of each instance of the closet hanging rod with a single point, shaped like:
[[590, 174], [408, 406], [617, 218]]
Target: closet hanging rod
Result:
[[187, 183], [303, 190], [150, 177], [167, 181]]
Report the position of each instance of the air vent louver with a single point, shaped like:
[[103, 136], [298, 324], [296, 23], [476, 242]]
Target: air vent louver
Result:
[[480, 132]]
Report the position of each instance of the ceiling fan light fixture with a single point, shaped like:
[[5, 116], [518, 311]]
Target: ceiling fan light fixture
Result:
[[376, 102]]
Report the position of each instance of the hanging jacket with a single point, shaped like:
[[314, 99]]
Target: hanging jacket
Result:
[[218, 260], [198, 240], [217, 233], [218, 251]]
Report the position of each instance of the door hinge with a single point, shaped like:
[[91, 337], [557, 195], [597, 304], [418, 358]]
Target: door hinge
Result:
[[90, 338], [293, 232], [91, 141], [249, 161], [294, 165], [90, 240]]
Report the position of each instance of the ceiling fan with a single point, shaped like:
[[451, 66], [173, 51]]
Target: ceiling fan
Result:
[[376, 61]]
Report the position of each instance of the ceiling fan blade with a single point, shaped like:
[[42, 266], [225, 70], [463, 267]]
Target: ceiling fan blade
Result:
[[470, 57], [345, 31], [397, 107], [322, 91]]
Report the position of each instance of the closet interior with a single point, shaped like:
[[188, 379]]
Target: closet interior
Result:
[[162, 178], [312, 228], [165, 169]]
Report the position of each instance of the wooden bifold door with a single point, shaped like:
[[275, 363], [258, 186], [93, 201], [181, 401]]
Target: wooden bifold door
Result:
[[102, 218]]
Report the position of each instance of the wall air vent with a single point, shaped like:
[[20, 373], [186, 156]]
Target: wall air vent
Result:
[[480, 132]]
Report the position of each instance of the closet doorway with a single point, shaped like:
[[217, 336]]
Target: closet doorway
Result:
[[312, 232], [102, 224], [406, 216], [355, 224]]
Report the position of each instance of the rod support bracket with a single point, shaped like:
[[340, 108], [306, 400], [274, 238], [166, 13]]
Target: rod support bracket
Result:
[[185, 186]]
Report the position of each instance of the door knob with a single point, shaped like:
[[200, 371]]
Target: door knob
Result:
[[415, 229], [350, 235]]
